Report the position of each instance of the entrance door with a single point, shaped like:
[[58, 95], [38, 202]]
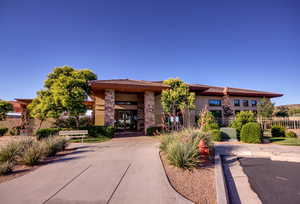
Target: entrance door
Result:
[[126, 119]]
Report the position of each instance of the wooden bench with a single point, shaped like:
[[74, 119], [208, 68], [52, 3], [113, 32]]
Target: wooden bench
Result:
[[74, 134]]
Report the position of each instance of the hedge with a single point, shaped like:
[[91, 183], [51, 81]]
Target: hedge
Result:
[[46, 132], [277, 131], [3, 131], [216, 135], [96, 131], [154, 130], [251, 133], [291, 134]]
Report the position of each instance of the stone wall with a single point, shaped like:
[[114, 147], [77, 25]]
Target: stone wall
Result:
[[140, 113], [109, 107], [34, 124], [149, 100]]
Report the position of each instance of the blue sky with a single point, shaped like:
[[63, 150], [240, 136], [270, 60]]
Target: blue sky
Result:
[[247, 44]]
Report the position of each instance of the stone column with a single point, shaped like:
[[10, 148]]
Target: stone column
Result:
[[140, 113], [109, 107], [149, 101]]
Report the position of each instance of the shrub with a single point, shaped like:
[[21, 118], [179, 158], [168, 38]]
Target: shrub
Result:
[[15, 130], [32, 155], [291, 134], [61, 143], [277, 131], [25, 144], [10, 152], [229, 133], [251, 133], [166, 140], [154, 130], [6, 167], [96, 131], [46, 132], [216, 135], [241, 119], [49, 147], [208, 121], [53, 145], [3, 131], [183, 155]]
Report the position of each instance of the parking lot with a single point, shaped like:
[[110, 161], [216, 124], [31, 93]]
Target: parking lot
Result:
[[275, 182]]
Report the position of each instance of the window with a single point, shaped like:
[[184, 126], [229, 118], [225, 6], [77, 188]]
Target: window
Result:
[[245, 103], [237, 102], [214, 102], [253, 103], [126, 103]]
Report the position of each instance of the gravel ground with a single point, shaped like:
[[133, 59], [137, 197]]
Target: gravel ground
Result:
[[197, 185]]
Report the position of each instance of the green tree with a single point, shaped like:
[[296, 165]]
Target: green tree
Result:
[[241, 119], [265, 108], [65, 91], [177, 98], [5, 107], [43, 107], [281, 111]]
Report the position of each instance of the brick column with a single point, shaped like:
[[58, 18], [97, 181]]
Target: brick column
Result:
[[149, 101], [109, 107]]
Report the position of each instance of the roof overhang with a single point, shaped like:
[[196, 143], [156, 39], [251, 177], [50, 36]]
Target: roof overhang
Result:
[[266, 95], [124, 87]]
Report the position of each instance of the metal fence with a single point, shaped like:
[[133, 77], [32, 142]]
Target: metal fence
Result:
[[288, 123]]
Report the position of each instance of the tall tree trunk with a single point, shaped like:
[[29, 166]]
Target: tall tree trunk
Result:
[[40, 125]]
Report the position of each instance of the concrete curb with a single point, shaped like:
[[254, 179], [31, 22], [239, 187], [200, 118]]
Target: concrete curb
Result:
[[221, 188]]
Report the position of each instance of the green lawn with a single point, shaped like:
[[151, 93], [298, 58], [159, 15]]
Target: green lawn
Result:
[[285, 141], [91, 139]]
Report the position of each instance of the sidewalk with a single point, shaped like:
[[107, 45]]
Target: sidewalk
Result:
[[272, 151], [123, 170]]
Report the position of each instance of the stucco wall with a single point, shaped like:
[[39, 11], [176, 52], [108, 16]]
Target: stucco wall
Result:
[[99, 108], [201, 101]]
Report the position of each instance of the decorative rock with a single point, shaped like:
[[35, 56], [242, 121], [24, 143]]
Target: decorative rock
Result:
[[109, 116], [149, 102]]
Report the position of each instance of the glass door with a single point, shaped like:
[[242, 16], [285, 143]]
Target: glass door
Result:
[[126, 119]]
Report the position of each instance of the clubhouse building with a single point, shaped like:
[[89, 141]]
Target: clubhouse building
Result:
[[134, 105]]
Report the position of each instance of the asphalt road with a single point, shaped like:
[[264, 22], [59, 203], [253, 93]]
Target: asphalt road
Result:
[[275, 182]]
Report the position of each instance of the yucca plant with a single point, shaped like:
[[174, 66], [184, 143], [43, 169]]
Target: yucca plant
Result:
[[183, 155]]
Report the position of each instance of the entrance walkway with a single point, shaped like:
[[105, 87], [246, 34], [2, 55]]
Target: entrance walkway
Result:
[[123, 170]]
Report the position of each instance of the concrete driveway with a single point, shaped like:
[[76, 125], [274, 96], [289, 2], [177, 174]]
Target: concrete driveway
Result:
[[123, 170]]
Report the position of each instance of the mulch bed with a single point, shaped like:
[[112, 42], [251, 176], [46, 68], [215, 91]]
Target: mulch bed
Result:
[[20, 170], [197, 185]]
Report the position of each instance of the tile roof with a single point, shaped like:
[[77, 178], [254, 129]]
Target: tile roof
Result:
[[201, 88], [129, 82]]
